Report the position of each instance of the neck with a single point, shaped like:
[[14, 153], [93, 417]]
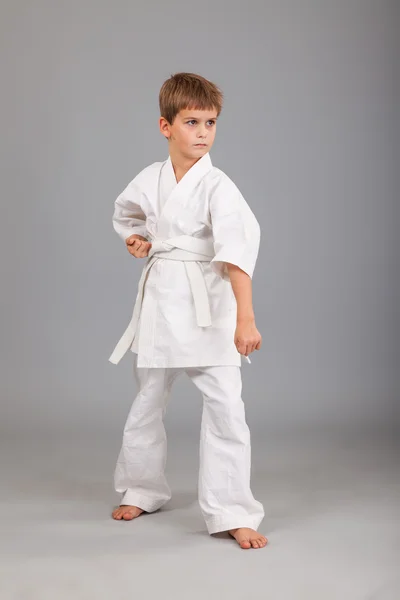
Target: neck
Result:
[[181, 164]]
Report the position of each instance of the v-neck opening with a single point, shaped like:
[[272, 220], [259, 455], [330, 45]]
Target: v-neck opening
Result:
[[188, 171], [174, 190]]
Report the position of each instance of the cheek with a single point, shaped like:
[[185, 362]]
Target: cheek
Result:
[[188, 134], [182, 134], [179, 135]]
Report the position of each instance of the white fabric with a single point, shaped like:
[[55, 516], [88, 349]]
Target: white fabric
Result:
[[225, 497], [185, 310], [171, 250]]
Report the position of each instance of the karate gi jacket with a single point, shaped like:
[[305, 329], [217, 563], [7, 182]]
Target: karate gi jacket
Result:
[[185, 310]]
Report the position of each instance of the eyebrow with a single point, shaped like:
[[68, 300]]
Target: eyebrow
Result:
[[196, 118]]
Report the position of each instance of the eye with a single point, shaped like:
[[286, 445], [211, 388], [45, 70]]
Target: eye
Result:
[[211, 122], [192, 121]]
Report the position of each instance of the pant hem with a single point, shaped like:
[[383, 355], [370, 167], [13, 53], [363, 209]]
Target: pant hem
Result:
[[219, 524], [145, 503]]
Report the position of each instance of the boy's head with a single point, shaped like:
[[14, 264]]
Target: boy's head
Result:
[[189, 107]]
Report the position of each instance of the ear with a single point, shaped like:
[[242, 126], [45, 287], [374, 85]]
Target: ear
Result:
[[164, 127]]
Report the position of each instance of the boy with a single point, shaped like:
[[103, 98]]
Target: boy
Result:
[[193, 314]]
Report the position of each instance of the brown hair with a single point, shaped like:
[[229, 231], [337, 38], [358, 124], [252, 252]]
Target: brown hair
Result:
[[188, 91]]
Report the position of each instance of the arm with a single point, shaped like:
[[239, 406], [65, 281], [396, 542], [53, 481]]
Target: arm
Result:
[[247, 337], [242, 288], [236, 235]]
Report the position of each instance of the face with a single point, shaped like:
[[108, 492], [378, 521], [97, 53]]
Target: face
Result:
[[192, 133]]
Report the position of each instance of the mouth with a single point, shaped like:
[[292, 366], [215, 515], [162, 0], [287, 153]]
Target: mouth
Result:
[[200, 145]]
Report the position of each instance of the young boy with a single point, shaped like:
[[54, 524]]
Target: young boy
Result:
[[193, 314]]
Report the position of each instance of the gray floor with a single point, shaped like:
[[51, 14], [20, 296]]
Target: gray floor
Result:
[[332, 519]]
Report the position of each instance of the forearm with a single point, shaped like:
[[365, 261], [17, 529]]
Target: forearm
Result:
[[242, 289]]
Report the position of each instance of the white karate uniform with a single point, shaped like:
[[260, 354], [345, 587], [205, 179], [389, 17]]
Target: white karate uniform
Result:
[[184, 319]]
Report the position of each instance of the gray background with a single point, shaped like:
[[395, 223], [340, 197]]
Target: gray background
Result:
[[309, 132]]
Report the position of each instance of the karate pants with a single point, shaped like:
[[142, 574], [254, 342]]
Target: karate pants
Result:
[[225, 497]]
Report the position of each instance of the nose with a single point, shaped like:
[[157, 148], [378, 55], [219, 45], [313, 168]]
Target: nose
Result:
[[201, 133]]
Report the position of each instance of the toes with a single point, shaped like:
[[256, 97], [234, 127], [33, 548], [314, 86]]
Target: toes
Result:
[[249, 539], [127, 516], [262, 541]]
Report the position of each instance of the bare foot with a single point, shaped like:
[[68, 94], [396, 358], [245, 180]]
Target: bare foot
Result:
[[126, 512], [248, 538]]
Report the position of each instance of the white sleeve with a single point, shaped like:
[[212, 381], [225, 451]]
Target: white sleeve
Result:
[[236, 231], [128, 217]]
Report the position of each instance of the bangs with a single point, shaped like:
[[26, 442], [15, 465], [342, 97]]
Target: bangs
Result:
[[188, 91]]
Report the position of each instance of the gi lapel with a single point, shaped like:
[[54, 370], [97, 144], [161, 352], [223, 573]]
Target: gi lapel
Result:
[[181, 191]]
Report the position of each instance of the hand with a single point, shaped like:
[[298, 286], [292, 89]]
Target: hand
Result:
[[247, 337], [138, 246]]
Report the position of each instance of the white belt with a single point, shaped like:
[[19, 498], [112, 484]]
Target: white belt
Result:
[[191, 251]]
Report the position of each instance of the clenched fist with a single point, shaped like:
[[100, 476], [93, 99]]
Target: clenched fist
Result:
[[138, 246], [247, 337]]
